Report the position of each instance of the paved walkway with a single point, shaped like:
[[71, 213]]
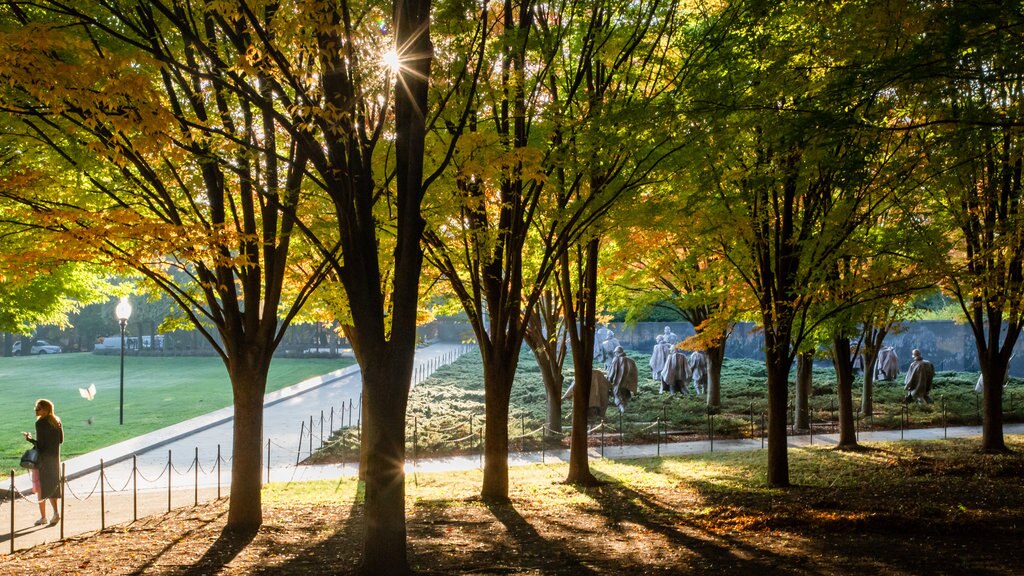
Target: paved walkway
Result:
[[122, 497]]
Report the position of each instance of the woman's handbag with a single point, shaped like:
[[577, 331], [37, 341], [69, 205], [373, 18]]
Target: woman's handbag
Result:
[[30, 459]]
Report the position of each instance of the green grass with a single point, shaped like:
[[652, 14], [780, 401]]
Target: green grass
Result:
[[446, 411], [158, 392]]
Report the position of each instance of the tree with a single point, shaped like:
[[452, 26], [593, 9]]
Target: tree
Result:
[[791, 187], [203, 132], [967, 90]]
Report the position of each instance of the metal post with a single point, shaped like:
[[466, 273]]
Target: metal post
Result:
[[602, 437], [321, 431], [332, 420], [12, 511], [103, 500], [298, 451], [135, 487], [762, 429], [170, 472], [944, 432], [658, 429], [120, 419], [711, 430], [310, 434]]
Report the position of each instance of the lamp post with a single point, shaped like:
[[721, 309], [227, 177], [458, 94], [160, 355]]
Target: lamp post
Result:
[[123, 312]]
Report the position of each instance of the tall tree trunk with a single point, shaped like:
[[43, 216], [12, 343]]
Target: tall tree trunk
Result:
[[844, 390], [777, 362], [993, 359], [386, 380], [249, 383], [802, 398], [497, 393], [872, 339], [867, 392], [992, 402], [546, 337], [582, 343], [715, 356]]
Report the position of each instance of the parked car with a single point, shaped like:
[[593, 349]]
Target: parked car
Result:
[[38, 347]]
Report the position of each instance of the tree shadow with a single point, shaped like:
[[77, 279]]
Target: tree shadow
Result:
[[723, 553], [339, 553], [552, 557], [143, 569]]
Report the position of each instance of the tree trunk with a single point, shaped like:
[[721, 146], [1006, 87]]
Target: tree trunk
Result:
[[777, 363], [497, 394], [802, 398], [582, 358], [249, 383], [844, 390], [867, 403], [385, 395], [545, 336], [554, 422], [872, 339], [715, 356], [992, 401]]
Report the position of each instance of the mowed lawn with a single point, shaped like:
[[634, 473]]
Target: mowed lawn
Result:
[[157, 392]]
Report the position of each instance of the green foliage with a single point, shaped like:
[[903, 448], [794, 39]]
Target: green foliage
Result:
[[48, 297]]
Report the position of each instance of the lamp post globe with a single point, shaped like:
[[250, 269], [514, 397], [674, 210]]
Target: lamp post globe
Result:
[[123, 312]]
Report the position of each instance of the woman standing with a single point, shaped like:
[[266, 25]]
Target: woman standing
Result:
[[46, 475]]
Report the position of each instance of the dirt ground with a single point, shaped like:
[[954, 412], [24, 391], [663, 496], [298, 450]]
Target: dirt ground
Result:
[[610, 529]]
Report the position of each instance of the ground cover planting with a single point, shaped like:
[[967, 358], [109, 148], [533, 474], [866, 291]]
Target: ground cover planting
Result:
[[445, 413]]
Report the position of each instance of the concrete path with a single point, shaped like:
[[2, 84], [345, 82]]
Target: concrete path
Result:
[[123, 497]]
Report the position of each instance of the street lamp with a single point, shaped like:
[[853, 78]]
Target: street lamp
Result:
[[123, 312]]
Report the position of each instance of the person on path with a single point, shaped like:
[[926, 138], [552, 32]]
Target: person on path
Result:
[[46, 475], [919, 379], [658, 355], [623, 376]]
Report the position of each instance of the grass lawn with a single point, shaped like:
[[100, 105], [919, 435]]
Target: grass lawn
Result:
[[158, 391], [901, 509]]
